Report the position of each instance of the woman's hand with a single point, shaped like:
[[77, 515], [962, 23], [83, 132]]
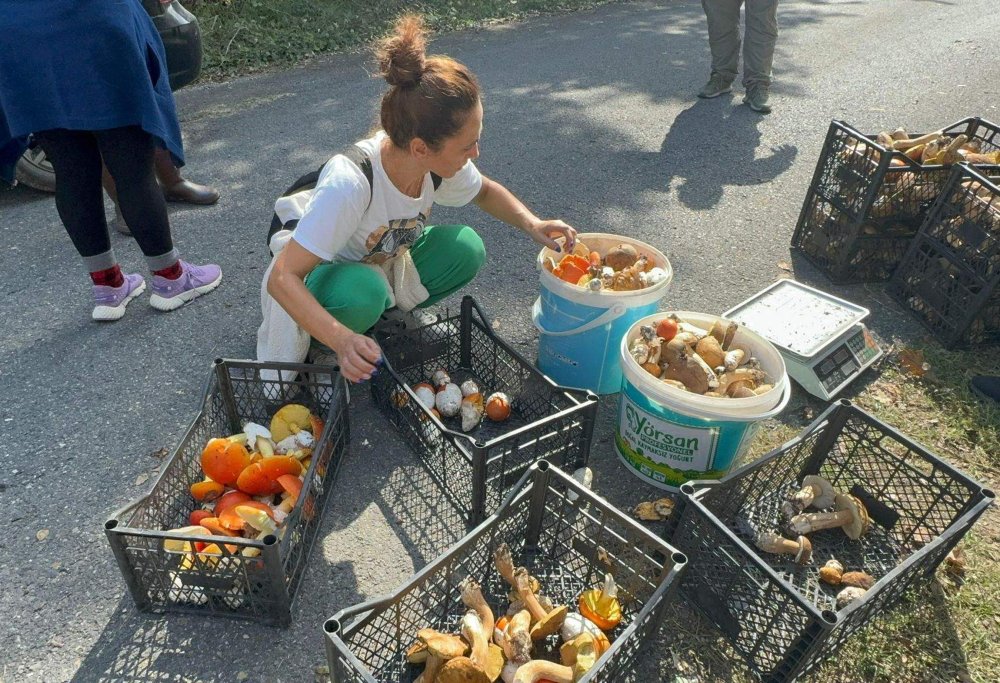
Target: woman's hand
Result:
[[544, 233], [357, 356]]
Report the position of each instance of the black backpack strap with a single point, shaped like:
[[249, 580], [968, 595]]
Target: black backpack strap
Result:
[[355, 154]]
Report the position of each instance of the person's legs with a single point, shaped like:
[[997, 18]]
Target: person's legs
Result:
[[986, 387], [447, 258], [175, 187], [128, 154], [724, 40], [353, 293], [76, 160], [758, 51]]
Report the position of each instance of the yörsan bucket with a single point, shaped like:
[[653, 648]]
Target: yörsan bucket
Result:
[[667, 436]]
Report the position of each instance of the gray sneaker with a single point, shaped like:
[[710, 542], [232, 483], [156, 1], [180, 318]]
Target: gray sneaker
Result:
[[717, 85], [756, 98], [411, 320]]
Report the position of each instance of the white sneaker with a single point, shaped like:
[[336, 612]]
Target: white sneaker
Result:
[[411, 320]]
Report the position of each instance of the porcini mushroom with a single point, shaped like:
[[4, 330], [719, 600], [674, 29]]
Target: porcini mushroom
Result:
[[711, 352], [472, 597], [858, 580], [425, 394], [851, 516], [770, 542], [601, 605], [546, 622], [849, 595], [816, 492], [441, 647], [687, 367], [831, 572], [517, 642], [471, 669], [498, 406]]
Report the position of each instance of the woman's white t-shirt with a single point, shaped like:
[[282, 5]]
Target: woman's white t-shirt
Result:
[[339, 224]]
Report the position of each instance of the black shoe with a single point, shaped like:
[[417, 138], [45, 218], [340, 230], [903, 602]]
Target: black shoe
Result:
[[986, 387]]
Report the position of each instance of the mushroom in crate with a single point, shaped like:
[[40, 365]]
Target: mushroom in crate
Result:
[[851, 516], [816, 492], [772, 542]]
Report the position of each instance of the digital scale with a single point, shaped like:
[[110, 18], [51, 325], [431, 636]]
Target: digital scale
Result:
[[821, 337]]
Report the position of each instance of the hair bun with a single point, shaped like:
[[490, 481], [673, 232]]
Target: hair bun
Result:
[[402, 54]]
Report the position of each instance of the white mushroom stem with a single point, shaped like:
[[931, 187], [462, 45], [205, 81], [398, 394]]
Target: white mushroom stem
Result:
[[517, 643], [807, 522], [542, 670], [505, 564], [771, 542], [472, 597], [431, 669], [475, 634], [522, 583]]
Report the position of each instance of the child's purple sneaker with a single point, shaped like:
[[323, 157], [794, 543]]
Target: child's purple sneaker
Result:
[[110, 302], [193, 282]]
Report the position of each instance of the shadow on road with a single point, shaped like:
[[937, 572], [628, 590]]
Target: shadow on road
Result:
[[712, 145]]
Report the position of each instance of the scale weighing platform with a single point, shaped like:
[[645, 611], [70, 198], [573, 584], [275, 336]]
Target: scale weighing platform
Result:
[[821, 337]]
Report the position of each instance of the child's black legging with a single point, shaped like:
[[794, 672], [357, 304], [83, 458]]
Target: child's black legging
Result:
[[128, 154]]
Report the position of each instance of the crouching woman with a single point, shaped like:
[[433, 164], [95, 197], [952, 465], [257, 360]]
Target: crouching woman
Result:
[[359, 249]]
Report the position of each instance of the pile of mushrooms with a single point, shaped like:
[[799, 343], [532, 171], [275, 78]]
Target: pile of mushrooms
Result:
[[252, 481], [622, 268], [849, 515], [507, 648], [445, 398], [700, 361]]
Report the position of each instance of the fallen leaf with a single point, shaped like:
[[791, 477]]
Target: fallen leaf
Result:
[[141, 479], [785, 265], [159, 453], [654, 510], [242, 676], [912, 360], [42, 534]]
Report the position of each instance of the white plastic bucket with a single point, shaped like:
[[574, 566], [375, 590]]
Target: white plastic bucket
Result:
[[668, 436], [580, 330]]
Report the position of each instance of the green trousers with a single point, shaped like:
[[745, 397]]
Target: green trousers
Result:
[[758, 41], [446, 256]]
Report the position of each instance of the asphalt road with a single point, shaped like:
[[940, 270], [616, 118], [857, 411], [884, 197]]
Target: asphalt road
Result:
[[589, 117]]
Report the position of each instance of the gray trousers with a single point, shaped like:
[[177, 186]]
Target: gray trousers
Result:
[[758, 42]]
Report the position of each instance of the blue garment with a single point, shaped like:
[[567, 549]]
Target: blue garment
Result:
[[81, 65]]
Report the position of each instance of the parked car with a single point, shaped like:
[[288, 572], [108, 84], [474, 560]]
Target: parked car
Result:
[[181, 37]]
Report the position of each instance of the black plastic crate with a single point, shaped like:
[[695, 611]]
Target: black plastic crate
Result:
[[568, 541], [262, 586], [950, 277], [475, 471], [778, 615], [866, 202]]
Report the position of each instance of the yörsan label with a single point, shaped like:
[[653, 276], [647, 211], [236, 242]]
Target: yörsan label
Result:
[[651, 438]]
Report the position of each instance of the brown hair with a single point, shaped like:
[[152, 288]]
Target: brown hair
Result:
[[429, 97]]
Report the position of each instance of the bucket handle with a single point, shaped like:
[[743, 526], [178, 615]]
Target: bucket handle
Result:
[[616, 311]]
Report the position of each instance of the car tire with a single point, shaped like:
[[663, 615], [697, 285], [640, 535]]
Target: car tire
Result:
[[35, 171]]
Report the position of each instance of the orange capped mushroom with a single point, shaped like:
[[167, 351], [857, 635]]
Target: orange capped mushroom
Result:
[[214, 525], [223, 460], [206, 490], [228, 500], [194, 519], [571, 268]]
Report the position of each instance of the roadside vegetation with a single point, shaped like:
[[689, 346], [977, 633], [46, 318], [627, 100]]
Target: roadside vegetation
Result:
[[247, 36]]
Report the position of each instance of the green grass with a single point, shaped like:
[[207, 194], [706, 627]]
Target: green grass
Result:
[[247, 36]]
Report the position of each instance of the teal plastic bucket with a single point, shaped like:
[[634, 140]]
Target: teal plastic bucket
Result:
[[581, 331], [668, 436]]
